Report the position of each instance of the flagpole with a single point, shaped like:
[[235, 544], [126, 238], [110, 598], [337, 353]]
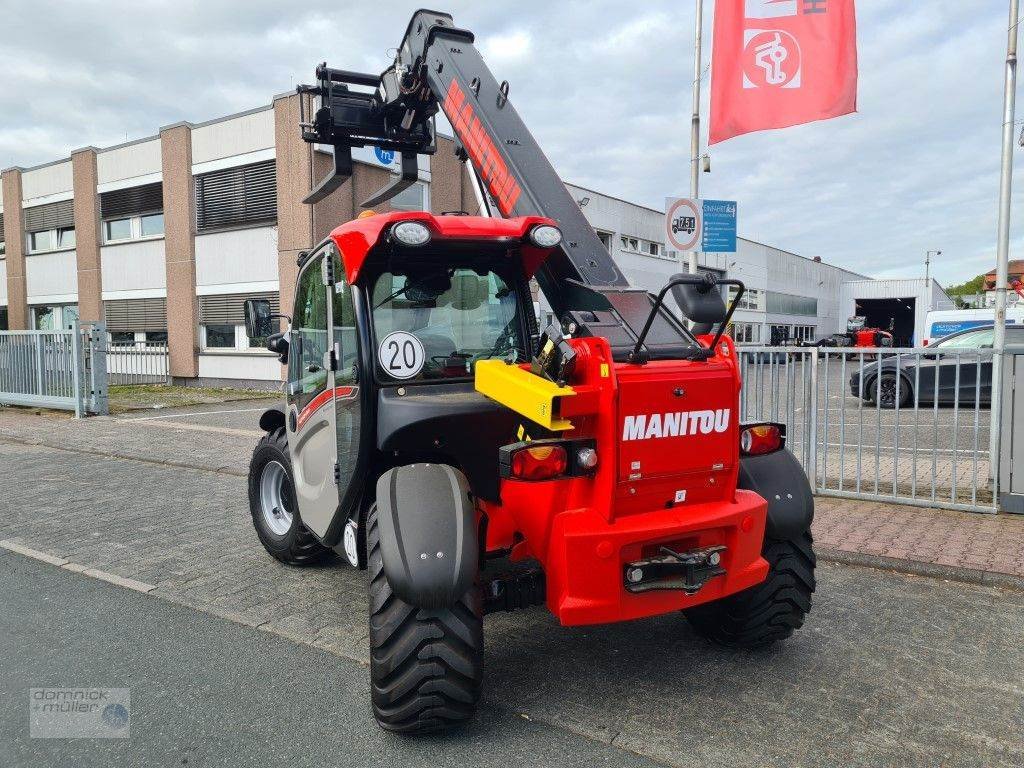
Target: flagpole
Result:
[[1003, 246], [695, 121]]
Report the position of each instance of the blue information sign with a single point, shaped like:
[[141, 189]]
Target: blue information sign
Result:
[[719, 226]]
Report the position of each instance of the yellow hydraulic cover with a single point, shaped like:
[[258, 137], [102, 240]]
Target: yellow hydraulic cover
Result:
[[525, 393]]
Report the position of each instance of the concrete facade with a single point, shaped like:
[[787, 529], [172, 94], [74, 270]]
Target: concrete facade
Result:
[[87, 234], [14, 225], [180, 249]]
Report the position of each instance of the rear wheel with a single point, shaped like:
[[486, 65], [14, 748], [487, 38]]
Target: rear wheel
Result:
[[275, 515], [770, 611], [426, 666], [889, 391]]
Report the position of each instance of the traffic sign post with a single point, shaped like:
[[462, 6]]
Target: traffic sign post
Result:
[[702, 226]]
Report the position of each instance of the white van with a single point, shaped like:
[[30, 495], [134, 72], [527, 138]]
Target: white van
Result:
[[942, 322]]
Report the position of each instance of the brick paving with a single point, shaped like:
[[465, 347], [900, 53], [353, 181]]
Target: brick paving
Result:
[[876, 531]]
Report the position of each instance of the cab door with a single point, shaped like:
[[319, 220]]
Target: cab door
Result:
[[310, 396]]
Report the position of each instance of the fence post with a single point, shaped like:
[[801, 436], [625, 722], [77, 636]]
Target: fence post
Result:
[[98, 371], [812, 421], [76, 369]]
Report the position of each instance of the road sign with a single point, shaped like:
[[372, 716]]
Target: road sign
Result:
[[706, 226]]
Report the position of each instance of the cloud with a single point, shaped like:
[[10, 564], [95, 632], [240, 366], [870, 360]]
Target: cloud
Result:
[[604, 87]]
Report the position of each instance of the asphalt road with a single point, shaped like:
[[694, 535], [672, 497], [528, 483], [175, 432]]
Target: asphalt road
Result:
[[207, 692]]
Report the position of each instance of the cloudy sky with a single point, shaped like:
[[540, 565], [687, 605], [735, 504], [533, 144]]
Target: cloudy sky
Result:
[[604, 86]]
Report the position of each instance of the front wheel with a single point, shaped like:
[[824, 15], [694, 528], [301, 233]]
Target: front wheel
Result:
[[770, 611], [426, 666], [275, 513]]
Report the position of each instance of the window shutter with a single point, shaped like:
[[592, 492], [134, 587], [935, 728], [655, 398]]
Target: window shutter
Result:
[[237, 196], [133, 201], [50, 216], [1, 228], [228, 309], [136, 314]]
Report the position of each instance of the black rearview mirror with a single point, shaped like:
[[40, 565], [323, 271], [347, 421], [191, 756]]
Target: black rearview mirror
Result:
[[259, 321], [700, 302]]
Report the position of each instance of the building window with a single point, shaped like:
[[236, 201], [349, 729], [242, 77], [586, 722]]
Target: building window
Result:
[[788, 304], [223, 320], [242, 196], [66, 237], [220, 336], [41, 241], [631, 244], [413, 198], [746, 333], [117, 229], [752, 299], [606, 240], [122, 338], [132, 213], [152, 225], [54, 317], [4, 324], [156, 338], [3, 247], [653, 249]]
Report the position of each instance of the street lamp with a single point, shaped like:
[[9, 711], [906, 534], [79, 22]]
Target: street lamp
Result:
[[927, 262]]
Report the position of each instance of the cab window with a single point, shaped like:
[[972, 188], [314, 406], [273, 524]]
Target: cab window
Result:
[[309, 331], [455, 316]]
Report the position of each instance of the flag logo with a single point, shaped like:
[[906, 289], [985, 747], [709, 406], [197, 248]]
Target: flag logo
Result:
[[771, 59]]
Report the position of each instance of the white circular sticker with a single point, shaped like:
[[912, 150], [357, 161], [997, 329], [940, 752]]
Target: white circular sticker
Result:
[[401, 355]]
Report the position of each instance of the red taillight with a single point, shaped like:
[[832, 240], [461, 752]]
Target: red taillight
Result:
[[759, 439], [540, 463]]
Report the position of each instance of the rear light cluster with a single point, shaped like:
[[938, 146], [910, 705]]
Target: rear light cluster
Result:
[[759, 439], [547, 459]]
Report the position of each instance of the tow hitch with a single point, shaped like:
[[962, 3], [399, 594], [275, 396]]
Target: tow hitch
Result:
[[688, 571]]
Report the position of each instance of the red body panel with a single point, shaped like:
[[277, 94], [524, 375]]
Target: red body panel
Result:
[[870, 337], [355, 239], [683, 493]]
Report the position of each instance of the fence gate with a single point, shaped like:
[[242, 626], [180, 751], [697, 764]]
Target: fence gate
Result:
[[55, 369], [910, 426]]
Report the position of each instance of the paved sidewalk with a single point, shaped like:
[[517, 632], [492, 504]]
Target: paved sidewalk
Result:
[[965, 545]]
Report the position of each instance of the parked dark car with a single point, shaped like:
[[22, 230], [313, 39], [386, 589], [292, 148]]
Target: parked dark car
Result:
[[918, 370]]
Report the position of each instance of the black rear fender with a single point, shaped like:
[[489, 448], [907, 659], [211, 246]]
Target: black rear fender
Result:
[[781, 481], [272, 418], [428, 533]]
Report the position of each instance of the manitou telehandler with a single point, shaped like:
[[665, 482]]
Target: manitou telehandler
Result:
[[432, 435]]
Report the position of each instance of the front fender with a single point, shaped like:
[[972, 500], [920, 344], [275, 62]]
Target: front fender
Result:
[[428, 534], [272, 418], [781, 481]]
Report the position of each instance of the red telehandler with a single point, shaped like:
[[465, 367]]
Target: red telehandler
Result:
[[433, 435]]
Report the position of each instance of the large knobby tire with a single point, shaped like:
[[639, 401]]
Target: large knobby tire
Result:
[[770, 611], [426, 666], [275, 513]]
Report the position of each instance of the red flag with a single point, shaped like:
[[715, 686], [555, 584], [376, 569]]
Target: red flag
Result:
[[778, 63]]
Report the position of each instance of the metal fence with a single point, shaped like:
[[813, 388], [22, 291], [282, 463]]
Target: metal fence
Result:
[[904, 425], [138, 363], [55, 369]]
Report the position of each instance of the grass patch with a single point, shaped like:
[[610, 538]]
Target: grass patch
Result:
[[135, 397]]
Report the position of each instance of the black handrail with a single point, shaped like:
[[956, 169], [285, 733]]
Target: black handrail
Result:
[[707, 280]]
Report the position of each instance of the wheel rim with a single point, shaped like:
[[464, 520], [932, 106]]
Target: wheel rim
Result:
[[276, 497], [888, 394]]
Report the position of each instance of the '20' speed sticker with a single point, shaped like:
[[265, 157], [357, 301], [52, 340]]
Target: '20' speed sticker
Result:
[[401, 355]]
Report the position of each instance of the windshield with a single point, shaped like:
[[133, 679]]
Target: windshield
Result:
[[436, 323], [971, 340]]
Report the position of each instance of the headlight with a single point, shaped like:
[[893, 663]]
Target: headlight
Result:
[[546, 236], [411, 233]]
